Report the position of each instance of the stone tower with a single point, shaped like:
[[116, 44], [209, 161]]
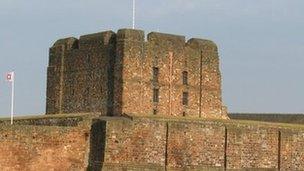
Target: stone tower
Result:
[[122, 73]]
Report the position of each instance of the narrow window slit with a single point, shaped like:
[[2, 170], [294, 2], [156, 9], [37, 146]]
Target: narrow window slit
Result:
[[155, 95], [185, 98], [185, 77]]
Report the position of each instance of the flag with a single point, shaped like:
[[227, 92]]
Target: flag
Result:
[[10, 76]]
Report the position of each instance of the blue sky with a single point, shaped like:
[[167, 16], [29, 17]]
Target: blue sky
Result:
[[261, 44]]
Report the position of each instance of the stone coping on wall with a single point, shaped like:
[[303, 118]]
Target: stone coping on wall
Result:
[[74, 118], [295, 118]]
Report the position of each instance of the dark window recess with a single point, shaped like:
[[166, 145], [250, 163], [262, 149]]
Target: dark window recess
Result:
[[155, 74], [155, 95], [87, 91], [185, 98], [154, 111], [184, 113], [72, 91], [185, 78], [88, 59]]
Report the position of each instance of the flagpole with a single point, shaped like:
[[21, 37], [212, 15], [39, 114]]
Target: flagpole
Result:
[[12, 98], [133, 23]]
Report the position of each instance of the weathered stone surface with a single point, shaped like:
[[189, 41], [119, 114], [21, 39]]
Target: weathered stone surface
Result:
[[158, 92], [32, 147], [202, 145], [252, 147], [112, 73], [82, 142]]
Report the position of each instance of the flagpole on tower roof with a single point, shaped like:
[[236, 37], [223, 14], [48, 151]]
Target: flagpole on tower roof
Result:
[[133, 23]]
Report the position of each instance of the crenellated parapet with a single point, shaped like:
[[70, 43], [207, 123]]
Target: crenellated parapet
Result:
[[126, 73]]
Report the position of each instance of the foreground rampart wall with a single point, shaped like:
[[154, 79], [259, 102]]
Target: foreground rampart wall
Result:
[[149, 144], [45, 144], [174, 145]]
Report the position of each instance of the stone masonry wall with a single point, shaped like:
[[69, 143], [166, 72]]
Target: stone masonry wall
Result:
[[171, 56], [291, 152], [80, 77], [135, 143], [122, 73], [199, 145], [33, 147], [119, 143], [195, 145], [252, 147]]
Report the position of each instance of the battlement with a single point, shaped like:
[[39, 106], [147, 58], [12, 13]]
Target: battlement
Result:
[[202, 44], [126, 73], [68, 43], [130, 34], [170, 39]]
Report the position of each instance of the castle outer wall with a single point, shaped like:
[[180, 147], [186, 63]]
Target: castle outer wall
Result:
[[80, 142], [121, 73]]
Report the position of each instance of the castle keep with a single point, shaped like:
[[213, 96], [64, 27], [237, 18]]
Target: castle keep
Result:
[[118, 102], [122, 73]]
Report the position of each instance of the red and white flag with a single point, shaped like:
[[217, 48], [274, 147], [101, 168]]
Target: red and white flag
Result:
[[10, 76]]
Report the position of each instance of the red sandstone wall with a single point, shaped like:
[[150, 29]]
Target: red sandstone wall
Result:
[[54, 74], [195, 145], [149, 144], [113, 74], [32, 148], [85, 87], [292, 151], [137, 143], [78, 74], [172, 56], [167, 52], [128, 71], [252, 147], [201, 145]]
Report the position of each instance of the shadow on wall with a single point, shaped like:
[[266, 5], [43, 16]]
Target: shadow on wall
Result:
[[97, 145]]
